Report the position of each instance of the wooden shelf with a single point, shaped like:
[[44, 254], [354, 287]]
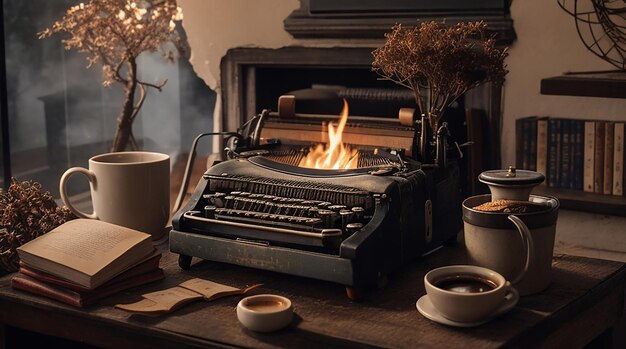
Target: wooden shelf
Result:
[[601, 84], [608, 85], [584, 201]]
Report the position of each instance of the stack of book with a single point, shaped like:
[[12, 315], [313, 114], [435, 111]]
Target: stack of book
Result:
[[83, 261], [576, 154]]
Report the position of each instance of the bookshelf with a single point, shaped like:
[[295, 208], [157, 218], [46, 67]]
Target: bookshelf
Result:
[[607, 85], [584, 201], [602, 84]]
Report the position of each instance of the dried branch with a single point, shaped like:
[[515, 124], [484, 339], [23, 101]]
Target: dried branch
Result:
[[114, 33], [142, 97], [158, 86], [443, 61]]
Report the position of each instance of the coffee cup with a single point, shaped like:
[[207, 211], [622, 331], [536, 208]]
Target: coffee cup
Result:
[[467, 293], [130, 189], [265, 312], [519, 246]]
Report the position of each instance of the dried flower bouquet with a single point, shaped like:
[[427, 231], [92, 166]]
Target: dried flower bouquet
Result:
[[439, 63]]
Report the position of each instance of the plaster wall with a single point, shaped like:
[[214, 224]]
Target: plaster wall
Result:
[[547, 45]]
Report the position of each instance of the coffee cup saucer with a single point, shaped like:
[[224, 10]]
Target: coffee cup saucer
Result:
[[426, 308]]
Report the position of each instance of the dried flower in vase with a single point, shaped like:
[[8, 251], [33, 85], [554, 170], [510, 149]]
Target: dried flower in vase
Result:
[[26, 212], [439, 63], [114, 33]]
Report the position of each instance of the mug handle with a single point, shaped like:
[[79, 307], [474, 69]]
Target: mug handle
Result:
[[62, 190], [527, 242]]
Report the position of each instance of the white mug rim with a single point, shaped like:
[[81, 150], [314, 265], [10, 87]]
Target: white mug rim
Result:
[[154, 158]]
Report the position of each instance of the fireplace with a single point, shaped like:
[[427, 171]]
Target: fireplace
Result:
[[254, 78]]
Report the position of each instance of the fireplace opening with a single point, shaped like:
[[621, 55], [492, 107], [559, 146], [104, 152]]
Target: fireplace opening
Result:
[[253, 79]]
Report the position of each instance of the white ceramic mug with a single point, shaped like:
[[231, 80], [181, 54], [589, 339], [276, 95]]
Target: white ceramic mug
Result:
[[518, 246], [469, 306], [130, 189]]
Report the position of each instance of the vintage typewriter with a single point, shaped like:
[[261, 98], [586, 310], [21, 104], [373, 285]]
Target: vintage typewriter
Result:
[[260, 208]]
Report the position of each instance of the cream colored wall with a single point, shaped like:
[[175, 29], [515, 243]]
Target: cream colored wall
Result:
[[214, 26], [547, 45]]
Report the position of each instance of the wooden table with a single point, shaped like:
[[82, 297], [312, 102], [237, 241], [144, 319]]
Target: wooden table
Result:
[[584, 301]]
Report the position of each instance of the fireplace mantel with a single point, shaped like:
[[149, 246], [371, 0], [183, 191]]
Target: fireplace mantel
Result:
[[370, 19]]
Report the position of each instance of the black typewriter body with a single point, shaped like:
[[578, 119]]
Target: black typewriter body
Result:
[[259, 209]]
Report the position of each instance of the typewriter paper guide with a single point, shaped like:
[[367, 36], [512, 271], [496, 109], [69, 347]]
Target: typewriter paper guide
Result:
[[401, 137]]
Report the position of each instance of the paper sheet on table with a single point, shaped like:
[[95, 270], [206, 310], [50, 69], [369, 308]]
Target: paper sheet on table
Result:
[[168, 300]]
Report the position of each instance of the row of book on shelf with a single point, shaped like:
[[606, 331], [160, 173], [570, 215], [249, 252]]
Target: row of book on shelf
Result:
[[576, 154]]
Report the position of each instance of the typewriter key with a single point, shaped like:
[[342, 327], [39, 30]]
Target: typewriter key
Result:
[[313, 222], [352, 228], [359, 213], [328, 218], [313, 212], [218, 199], [210, 198], [337, 208], [324, 205], [346, 218], [209, 211], [228, 201]]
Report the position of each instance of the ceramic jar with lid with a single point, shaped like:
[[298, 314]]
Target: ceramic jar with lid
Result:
[[517, 245], [511, 184]]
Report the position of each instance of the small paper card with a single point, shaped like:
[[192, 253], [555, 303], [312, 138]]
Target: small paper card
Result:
[[165, 301], [208, 289]]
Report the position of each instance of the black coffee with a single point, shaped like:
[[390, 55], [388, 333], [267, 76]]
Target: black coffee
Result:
[[466, 284]]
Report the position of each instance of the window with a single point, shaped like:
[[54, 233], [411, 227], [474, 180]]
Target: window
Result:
[[60, 114]]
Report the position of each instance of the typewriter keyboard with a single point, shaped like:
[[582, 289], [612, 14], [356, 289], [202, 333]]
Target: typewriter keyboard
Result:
[[270, 210]]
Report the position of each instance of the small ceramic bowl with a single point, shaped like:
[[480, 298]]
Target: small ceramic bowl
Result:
[[265, 312]]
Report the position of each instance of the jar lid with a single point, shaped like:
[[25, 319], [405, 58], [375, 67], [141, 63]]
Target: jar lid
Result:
[[512, 176]]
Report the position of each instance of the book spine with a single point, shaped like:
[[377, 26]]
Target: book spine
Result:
[[542, 147], [588, 156], [554, 152], [66, 296], [598, 164], [532, 135], [525, 143], [566, 156], [519, 143], [618, 159], [609, 131], [577, 163]]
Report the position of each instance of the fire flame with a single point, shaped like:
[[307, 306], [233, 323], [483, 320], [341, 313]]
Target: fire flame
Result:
[[334, 155]]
